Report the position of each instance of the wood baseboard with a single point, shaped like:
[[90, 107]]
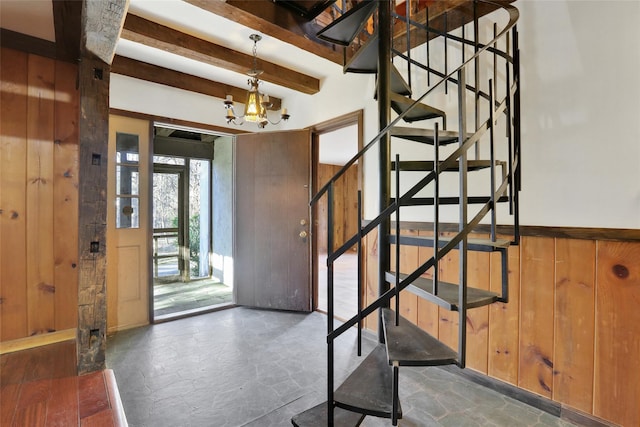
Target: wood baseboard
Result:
[[37, 340], [544, 404]]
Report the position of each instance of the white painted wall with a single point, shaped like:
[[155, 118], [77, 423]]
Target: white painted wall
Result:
[[580, 112]]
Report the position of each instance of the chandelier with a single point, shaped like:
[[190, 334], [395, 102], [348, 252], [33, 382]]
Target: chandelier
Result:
[[255, 108]]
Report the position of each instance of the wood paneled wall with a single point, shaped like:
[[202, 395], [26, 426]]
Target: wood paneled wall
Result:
[[38, 195], [570, 332], [345, 205]]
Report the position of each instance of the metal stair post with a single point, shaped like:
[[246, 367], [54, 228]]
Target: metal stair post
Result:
[[384, 117]]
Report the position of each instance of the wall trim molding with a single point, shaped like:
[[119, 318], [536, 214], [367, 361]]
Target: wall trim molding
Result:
[[29, 44], [586, 233], [37, 340]]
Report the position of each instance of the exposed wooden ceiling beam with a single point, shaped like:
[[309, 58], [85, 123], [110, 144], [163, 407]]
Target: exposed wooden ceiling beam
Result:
[[273, 20], [164, 76], [67, 21], [102, 24], [158, 36]]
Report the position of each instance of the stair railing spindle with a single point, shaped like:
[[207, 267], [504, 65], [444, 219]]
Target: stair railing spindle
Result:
[[330, 353], [508, 125], [462, 45], [359, 273], [427, 43], [492, 159], [462, 289], [397, 284], [407, 12], [495, 61], [476, 72], [446, 52], [436, 208], [517, 135]]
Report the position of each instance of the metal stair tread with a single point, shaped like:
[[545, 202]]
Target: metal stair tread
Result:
[[408, 345], [317, 417], [368, 390], [398, 84], [425, 136], [343, 30], [481, 245], [420, 111], [427, 165], [447, 296], [365, 60]]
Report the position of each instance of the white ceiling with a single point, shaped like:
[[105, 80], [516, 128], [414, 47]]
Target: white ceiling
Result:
[[35, 18]]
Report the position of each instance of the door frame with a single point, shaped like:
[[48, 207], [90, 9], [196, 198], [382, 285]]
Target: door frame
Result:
[[349, 119]]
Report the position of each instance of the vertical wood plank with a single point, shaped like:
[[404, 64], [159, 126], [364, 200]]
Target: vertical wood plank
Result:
[[351, 202], [504, 320], [40, 118], [574, 323], [65, 187], [428, 318], [479, 272], [13, 159], [324, 174], [338, 212], [371, 277], [408, 263], [449, 320], [536, 321], [617, 376]]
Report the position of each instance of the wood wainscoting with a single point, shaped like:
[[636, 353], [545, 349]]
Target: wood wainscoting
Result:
[[39, 195], [571, 329], [345, 202]]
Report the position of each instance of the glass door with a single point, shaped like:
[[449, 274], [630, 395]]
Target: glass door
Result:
[[168, 224]]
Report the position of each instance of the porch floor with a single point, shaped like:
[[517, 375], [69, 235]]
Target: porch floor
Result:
[[179, 297]]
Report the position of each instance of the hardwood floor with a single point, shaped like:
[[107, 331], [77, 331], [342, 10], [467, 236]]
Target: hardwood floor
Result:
[[39, 387], [345, 283]]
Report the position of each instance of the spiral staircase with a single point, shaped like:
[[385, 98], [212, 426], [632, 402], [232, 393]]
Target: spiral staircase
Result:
[[483, 151]]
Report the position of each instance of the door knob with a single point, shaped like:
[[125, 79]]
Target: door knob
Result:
[[303, 234]]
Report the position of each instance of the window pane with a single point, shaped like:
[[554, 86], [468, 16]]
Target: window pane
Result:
[[168, 160], [127, 180], [127, 146], [127, 212]]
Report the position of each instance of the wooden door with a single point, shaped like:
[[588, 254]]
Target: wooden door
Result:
[[128, 235], [272, 242]]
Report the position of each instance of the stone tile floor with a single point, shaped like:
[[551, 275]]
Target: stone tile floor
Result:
[[255, 368]]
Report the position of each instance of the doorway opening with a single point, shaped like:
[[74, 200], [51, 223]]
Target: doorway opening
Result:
[[335, 143], [185, 224]]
